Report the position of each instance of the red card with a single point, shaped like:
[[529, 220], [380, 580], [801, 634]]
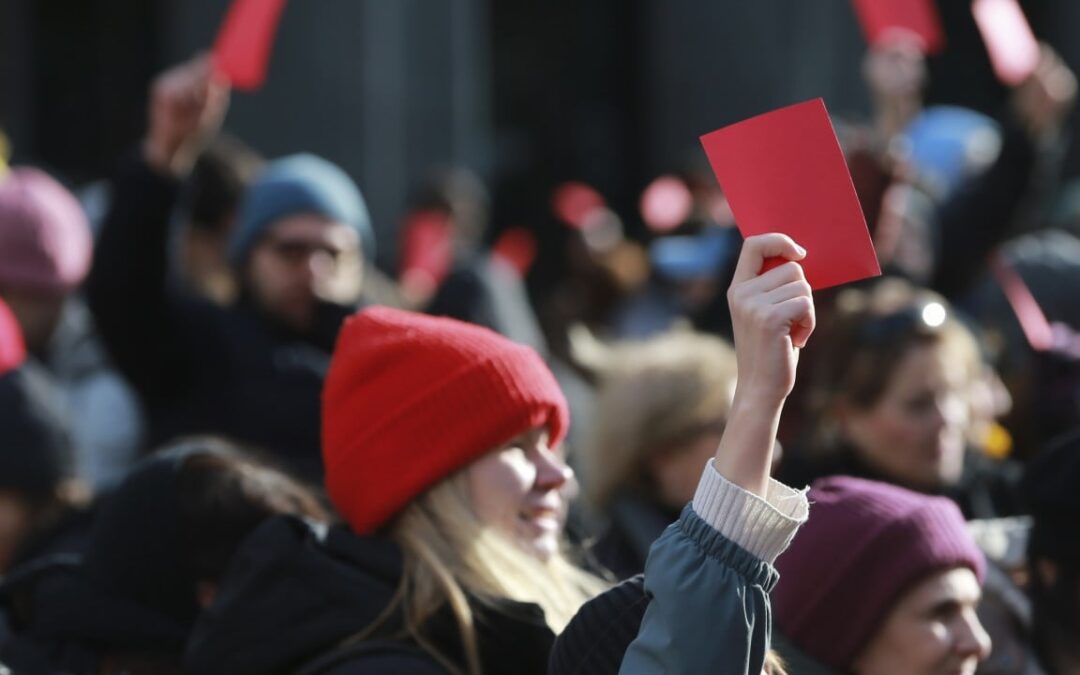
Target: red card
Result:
[[12, 349], [242, 48], [517, 248], [1014, 52], [882, 19], [575, 202], [427, 249], [784, 172]]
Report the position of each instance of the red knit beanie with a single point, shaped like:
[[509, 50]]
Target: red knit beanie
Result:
[[864, 545], [410, 399]]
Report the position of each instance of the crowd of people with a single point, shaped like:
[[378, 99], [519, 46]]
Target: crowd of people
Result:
[[232, 443]]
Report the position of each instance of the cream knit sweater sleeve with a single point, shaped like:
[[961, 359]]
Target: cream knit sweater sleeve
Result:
[[762, 526]]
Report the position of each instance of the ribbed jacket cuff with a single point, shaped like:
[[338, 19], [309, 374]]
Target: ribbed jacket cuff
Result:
[[764, 527]]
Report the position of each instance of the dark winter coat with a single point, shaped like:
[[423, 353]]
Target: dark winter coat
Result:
[[634, 523], [297, 592], [197, 367]]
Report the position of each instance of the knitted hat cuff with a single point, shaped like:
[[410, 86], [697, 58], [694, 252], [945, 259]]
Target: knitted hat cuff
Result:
[[903, 555]]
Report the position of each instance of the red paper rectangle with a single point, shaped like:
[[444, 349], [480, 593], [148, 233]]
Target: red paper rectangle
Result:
[[783, 171], [1014, 52], [243, 45], [880, 19]]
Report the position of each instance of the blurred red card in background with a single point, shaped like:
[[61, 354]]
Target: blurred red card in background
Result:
[[883, 19], [783, 171], [243, 45], [12, 348], [516, 247], [1014, 52], [427, 249]]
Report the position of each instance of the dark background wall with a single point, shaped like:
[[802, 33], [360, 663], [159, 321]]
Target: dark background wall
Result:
[[609, 91]]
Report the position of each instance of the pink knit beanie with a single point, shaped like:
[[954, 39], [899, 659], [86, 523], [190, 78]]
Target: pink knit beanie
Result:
[[45, 241]]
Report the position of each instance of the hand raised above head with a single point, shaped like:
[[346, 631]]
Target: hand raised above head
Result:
[[1044, 100], [772, 314], [187, 106]]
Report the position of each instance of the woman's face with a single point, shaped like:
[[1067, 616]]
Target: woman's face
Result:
[[932, 630], [519, 490], [915, 433]]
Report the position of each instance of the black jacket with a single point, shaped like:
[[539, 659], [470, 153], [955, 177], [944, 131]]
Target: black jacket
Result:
[[197, 367], [296, 593], [634, 523]]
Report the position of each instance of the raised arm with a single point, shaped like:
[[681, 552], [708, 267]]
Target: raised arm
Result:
[[141, 323], [996, 205], [709, 574], [772, 316]]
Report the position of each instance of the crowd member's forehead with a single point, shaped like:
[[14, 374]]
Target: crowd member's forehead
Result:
[[313, 228]]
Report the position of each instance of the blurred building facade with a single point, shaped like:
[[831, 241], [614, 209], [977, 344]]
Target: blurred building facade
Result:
[[608, 91]]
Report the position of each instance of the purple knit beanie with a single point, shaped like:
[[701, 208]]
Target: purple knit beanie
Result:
[[45, 242], [864, 545]]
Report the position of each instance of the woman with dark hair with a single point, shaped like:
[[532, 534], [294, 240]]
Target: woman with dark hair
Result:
[[893, 399], [156, 551]]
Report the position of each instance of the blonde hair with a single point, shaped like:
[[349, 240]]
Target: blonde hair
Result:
[[654, 397], [452, 558], [774, 665]]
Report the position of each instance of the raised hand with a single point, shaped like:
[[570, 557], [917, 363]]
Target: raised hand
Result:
[[895, 72], [187, 106], [773, 316], [1046, 97]]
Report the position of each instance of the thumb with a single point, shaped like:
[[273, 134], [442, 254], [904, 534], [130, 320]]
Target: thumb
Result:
[[757, 249]]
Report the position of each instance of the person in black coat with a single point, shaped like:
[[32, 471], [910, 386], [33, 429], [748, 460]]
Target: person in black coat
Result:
[[251, 371], [442, 448], [153, 558], [442, 443], [1053, 553], [40, 503]]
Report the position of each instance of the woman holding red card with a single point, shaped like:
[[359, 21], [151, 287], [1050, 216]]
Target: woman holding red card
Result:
[[442, 449]]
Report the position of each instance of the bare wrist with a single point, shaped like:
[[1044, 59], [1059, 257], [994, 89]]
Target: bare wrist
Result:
[[758, 401]]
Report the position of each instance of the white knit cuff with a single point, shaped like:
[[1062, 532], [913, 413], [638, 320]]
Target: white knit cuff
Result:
[[764, 527]]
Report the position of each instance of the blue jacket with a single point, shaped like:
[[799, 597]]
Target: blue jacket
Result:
[[703, 605], [709, 605]]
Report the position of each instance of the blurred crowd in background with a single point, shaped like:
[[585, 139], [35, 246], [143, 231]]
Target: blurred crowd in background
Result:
[[166, 331]]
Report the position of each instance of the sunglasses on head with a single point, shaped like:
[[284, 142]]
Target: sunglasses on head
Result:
[[924, 318]]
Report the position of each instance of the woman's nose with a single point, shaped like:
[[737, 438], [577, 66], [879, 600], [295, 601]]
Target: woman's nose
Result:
[[973, 639], [552, 473]]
